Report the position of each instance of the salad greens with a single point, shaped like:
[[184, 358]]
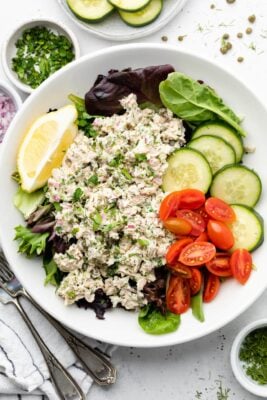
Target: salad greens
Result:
[[84, 120], [154, 322], [195, 102], [53, 274], [27, 203], [32, 244], [197, 306]]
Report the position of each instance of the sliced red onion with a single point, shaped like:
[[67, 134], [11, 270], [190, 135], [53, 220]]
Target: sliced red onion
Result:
[[7, 112]]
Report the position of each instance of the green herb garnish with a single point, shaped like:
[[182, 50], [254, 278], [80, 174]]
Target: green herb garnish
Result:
[[93, 180], [253, 353], [140, 157], [112, 270], [77, 194], [84, 120], [40, 52], [116, 160]]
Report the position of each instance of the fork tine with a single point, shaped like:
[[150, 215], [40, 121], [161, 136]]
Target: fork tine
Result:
[[5, 273]]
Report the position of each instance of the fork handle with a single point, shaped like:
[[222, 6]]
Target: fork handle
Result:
[[94, 362], [59, 375]]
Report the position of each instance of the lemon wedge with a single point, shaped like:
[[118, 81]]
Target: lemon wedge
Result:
[[44, 146]]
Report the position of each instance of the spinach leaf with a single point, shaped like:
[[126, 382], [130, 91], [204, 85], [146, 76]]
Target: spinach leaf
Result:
[[197, 306], [154, 322], [195, 102]]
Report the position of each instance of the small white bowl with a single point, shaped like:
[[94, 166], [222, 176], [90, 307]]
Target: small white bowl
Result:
[[10, 91], [9, 48], [237, 365]]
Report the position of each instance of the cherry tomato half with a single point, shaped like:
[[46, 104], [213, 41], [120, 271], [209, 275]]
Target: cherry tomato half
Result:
[[197, 254], [191, 199], [175, 249], [219, 210], [195, 281], [169, 205], [220, 265], [196, 221], [212, 286], [181, 270], [201, 211], [203, 237], [241, 265], [178, 295], [178, 226], [220, 235]]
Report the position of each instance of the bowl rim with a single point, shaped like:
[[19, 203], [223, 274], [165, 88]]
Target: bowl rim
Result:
[[23, 25], [240, 375], [140, 47], [12, 92]]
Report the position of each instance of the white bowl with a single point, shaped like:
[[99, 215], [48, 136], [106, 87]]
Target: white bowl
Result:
[[121, 327], [9, 48], [10, 91], [238, 370]]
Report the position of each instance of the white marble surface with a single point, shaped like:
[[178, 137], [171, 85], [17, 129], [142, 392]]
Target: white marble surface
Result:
[[193, 370]]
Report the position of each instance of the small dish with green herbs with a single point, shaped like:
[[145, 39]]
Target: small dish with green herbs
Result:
[[249, 357], [35, 50]]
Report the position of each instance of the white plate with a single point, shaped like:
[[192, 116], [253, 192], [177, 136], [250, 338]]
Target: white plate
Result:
[[113, 28], [121, 327]]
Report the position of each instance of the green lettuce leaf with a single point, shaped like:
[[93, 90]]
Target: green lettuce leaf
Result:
[[31, 244], [195, 102], [53, 275], [155, 323], [27, 203]]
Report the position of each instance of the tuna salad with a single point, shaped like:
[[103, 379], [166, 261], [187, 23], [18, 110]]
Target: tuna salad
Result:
[[109, 192]]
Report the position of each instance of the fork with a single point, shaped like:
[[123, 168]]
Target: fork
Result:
[[93, 360], [60, 377]]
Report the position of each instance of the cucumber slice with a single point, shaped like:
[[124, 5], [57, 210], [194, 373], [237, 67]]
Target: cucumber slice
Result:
[[216, 150], [237, 184], [129, 5], [248, 228], [143, 17], [187, 169], [224, 131], [90, 11]]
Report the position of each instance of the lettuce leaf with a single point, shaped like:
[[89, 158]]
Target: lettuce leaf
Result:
[[31, 244], [195, 102], [27, 203], [105, 95], [154, 322]]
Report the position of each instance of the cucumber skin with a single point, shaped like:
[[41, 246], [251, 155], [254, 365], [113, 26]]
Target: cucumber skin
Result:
[[243, 167], [129, 11], [145, 23], [91, 21], [261, 221], [223, 124]]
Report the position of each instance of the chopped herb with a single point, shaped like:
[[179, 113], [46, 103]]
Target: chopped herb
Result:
[[71, 294], [126, 173], [222, 394], [116, 160], [40, 52], [253, 353], [77, 194], [97, 220], [143, 242], [74, 231], [57, 206], [58, 229], [16, 177], [93, 180], [140, 157]]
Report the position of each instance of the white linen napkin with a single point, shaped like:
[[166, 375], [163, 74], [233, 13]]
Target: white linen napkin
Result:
[[23, 372]]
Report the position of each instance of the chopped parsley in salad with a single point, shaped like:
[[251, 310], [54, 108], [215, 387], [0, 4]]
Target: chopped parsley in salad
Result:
[[136, 210]]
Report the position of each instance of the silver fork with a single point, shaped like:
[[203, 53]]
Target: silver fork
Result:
[[60, 377], [93, 360]]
